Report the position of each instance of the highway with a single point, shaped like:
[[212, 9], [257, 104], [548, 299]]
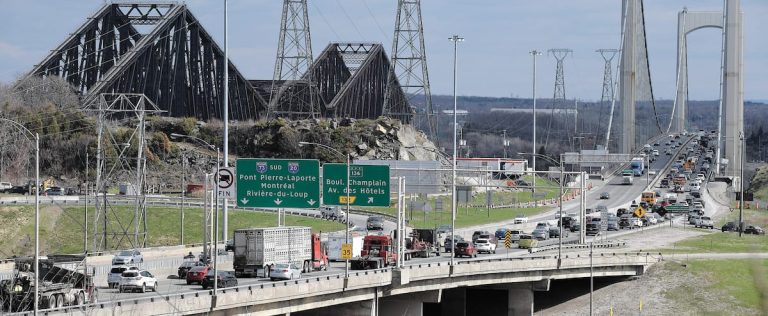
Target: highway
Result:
[[164, 263]]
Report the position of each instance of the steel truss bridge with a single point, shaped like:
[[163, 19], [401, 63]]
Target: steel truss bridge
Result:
[[161, 50]]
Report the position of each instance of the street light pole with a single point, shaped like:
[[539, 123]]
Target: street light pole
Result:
[[534, 53], [346, 235], [455, 39], [741, 185], [218, 165], [560, 212]]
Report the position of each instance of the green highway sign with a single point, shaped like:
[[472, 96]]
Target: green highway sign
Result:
[[288, 183], [368, 185]]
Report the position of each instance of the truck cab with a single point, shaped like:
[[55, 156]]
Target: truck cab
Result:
[[378, 252]]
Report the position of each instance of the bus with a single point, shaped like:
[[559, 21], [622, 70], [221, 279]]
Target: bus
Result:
[[648, 197]]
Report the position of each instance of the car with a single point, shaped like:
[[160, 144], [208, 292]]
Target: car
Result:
[[554, 232], [541, 233], [477, 234], [127, 257], [137, 280], [625, 222], [375, 223], [567, 221], [197, 274], [501, 233], [332, 212], [186, 266], [636, 222], [527, 241], [701, 177], [696, 193], [465, 248], [612, 225], [622, 211], [542, 225], [448, 243], [485, 246], [650, 219], [693, 218], [226, 279], [593, 229], [755, 230], [115, 274], [515, 235], [18, 189], [705, 222], [520, 219], [730, 227], [229, 245], [651, 173], [605, 195], [54, 191], [285, 271], [575, 226], [443, 229], [655, 152], [601, 208]]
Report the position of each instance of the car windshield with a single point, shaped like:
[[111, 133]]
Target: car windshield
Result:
[[481, 241], [282, 266], [462, 244], [125, 253], [130, 274]]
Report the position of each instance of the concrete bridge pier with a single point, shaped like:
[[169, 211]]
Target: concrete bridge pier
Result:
[[416, 304]]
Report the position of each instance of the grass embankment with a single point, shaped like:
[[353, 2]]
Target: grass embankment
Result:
[[734, 284], [467, 215], [61, 229], [719, 242]]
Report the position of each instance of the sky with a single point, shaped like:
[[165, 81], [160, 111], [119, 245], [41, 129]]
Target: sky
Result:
[[493, 59]]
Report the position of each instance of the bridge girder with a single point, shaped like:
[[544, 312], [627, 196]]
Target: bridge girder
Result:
[[176, 64]]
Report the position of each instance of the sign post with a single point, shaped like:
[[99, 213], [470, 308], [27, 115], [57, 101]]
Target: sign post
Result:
[[280, 183], [368, 185]]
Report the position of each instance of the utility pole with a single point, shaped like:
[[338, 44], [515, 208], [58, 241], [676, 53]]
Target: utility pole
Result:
[[409, 62]]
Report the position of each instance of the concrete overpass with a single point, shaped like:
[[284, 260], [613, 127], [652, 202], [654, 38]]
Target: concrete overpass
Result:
[[406, 291]]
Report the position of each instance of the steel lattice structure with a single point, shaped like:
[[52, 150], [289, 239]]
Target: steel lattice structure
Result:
[[409, 60], [351, 81], [175, 63], [294, 57]]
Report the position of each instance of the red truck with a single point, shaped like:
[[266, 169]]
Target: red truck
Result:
[[378, 252]]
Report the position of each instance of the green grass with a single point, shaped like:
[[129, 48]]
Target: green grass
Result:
[[61, 230], [726, 242], [741, 283], [718, 242]]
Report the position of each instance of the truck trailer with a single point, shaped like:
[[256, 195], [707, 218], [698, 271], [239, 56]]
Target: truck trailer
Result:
[[334, 243], [259, 249], [63, 281]]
